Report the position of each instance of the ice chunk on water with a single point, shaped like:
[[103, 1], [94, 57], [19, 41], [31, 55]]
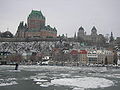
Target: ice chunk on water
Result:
[[86, 82], [43, 85], [6, 84], [46, 84], [10, 79], [40, 80], [78, 89], [38, 83]]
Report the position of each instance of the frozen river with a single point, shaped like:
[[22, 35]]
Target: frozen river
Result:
[[59, 78]]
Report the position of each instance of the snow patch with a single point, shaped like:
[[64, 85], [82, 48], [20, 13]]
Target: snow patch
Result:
[[86, 82]]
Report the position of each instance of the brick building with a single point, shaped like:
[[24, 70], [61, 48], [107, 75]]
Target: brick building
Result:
[[35, 27]]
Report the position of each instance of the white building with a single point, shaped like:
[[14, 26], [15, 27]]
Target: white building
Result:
[[92, 57]]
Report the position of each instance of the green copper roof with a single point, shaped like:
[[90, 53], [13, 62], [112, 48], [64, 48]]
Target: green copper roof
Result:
[[45, 28], [49, 28], [36, 14]]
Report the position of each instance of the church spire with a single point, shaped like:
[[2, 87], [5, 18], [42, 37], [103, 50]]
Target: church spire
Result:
[[75, 36], [111, 38]]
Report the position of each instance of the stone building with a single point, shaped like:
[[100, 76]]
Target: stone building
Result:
[[92, 39], [35, 27], [102, 54]]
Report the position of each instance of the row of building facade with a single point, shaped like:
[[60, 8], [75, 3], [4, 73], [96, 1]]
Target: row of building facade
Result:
[[92, 56], [35, 51]]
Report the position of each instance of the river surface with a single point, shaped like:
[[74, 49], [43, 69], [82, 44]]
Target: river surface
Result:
[[33, 77]]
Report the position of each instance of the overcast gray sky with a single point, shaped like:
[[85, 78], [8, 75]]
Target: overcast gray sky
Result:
[[66, 15]]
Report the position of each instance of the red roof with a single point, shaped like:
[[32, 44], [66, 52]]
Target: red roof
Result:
[[83, 52], [74, 52]]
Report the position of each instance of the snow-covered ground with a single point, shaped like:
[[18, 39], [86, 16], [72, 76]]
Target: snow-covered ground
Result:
[[21, 47]]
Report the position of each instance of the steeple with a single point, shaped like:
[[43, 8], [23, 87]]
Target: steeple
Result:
[[21, 25], [25, 25], [111, 38], [75, 36]]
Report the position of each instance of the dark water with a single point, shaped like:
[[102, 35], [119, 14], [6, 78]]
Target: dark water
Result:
[[59, 78]]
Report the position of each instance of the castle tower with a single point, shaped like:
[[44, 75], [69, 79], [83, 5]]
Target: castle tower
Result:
[[35, 21], [94, 31], [81, 32], [35, 27]]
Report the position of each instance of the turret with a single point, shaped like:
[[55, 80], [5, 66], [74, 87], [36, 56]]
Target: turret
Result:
[[81, 32], [94, 31]]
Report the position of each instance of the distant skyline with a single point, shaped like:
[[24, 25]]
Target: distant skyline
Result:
[[66, 15]]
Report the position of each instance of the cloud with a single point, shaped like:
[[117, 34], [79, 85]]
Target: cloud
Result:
[[66, 15]]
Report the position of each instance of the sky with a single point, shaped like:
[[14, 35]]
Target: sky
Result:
[[66, 15]]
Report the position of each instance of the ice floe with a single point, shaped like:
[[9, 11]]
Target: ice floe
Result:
[[78, 89], [39, 83], [86, 82], [46, 84], [10, 83], [40, 80], [10, 79]]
